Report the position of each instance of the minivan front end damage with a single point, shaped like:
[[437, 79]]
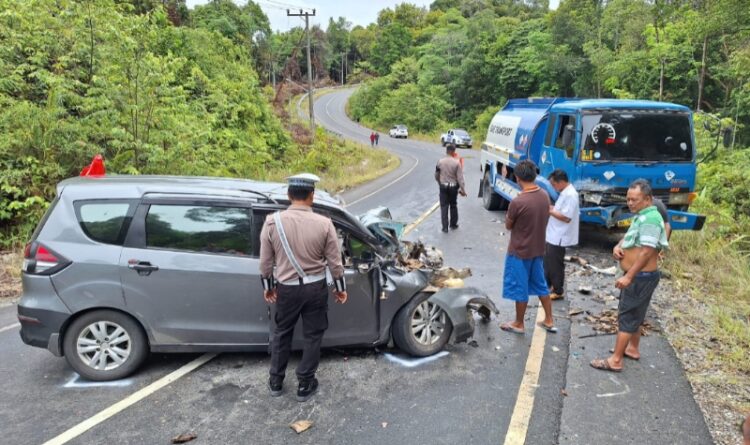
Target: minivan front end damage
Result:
[[460, 305]]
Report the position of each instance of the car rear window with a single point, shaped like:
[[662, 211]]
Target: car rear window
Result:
[[206, 229], [105, 221]]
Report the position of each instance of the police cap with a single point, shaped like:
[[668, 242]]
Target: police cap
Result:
[[303, 180]]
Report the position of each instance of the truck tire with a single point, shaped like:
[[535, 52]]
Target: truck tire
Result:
[[490, 199], [117, 337], [421, 328]]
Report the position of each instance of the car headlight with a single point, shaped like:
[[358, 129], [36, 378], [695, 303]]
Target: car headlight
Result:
[[679, 198]]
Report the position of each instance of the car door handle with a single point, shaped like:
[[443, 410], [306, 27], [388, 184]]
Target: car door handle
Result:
[[142, 266]]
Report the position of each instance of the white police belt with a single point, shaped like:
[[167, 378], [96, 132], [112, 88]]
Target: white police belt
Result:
[[304, 280]]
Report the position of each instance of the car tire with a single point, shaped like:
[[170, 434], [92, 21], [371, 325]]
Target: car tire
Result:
[[490, 199], [426, 338], [95, 330]]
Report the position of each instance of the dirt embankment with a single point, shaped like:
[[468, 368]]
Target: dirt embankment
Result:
[[10, 275]]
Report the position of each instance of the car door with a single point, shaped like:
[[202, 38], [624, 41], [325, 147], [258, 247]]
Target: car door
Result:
[[189, 269], [356, 321]]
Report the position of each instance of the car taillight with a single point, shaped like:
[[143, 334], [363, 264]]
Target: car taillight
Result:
[[40, 260]]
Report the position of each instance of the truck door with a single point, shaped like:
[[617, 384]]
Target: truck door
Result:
[[555, 154]]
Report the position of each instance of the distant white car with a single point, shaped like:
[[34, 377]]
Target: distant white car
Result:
[[398, 131], [457, 137]]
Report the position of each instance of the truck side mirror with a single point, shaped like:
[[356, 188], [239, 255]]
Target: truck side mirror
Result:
[[567, 137], [727, 139]]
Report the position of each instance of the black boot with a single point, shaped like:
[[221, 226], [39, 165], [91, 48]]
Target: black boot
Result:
[[306, 389], [276, 386]]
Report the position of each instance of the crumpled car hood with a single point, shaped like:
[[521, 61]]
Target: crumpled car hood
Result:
[[382, 225]]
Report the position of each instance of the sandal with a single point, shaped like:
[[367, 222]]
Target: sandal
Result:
[[551, 329], [507, 327], [626, 355], [602, 364]]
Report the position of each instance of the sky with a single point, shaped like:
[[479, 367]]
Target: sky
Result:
[[356, 12]]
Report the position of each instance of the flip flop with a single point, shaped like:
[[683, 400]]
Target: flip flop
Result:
[[550, 329], [507, 327], [602, 364], [612, 351]]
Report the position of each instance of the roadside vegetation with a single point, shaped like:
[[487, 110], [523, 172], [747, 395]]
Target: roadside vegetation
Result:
[[156, 89]]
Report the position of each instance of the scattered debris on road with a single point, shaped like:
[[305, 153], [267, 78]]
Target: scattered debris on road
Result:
[[184, 437], [301, 426], [606, 323], [585, 290]]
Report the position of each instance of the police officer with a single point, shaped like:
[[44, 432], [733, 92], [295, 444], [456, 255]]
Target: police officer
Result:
[[300, 244], [450, 177]]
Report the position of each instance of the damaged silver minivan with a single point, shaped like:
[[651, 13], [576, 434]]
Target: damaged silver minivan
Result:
[[123, 265]]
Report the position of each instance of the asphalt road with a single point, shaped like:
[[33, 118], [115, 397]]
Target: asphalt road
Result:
[[367, 396]]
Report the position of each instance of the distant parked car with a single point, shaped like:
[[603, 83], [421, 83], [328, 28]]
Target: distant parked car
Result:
[[123, 265], [398, 131], [457, 137]]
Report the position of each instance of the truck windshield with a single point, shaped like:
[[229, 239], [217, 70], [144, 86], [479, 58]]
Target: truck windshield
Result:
[[636, 136]]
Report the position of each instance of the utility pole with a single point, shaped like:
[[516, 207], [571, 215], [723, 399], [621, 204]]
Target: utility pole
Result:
[[343, 59], [307, 16]]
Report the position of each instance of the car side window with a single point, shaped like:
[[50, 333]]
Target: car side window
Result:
[[105, 221], [564, 121], [205, 229]]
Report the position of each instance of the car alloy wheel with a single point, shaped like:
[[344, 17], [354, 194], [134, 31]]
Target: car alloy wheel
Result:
[[103, 345], [428, 323]]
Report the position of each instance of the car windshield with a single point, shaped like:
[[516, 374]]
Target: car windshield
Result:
[[401, 127], [461, 133], [636, 136]]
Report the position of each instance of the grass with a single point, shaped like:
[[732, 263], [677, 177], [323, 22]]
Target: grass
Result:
[[711, 321], [10, 274]]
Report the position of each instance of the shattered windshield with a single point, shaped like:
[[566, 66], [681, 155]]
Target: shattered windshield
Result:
[[636, 136]]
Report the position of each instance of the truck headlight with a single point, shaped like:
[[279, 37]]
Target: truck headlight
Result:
[[679, 198], [595, 198]]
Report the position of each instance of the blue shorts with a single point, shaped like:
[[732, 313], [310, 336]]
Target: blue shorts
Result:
[[523, 278]]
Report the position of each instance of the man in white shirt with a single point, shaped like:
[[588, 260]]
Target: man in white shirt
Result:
[[562, 232]]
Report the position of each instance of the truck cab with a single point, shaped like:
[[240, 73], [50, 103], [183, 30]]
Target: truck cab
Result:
[[603, 145]]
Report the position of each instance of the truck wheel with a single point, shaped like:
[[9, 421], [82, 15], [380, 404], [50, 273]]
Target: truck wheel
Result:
[[421, 328], [490, 199], [105, 345]]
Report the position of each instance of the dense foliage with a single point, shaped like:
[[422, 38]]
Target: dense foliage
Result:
[[469, 56]]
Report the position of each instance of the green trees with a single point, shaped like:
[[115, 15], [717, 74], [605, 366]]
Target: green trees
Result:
[[80, 78], [480, 53]]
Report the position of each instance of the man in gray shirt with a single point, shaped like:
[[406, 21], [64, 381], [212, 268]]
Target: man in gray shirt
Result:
[[300, 244], [450, 178]]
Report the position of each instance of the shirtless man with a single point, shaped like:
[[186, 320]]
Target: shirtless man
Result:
[[637, 253]]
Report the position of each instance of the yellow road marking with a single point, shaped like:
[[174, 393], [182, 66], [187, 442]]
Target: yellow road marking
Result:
[[519, 421], [132, 399], [421, 219]]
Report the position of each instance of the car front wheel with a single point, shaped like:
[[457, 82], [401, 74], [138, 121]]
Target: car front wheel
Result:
[[105, 345], [421, 327]]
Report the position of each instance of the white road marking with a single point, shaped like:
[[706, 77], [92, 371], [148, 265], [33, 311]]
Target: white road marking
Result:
[[132, 399], [519, 421], [416, 163], [77, 382], [614, 394], [9, 327], [414, 362]]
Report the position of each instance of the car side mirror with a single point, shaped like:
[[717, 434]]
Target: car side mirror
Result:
[[567, 136]]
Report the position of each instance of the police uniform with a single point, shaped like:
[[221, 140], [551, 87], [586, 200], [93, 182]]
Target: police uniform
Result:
[[450, 177], [296, 246]]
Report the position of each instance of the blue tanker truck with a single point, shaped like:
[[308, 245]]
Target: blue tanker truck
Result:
[[603, 145]]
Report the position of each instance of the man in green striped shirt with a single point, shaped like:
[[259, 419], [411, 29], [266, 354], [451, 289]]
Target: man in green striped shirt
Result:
[[638, 254]]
